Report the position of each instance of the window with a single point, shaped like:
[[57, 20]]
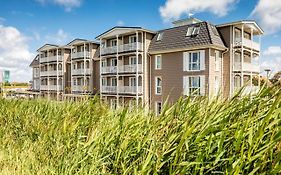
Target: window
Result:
[[193, 30], [194, 61], [158, 85], [113, 81], [159, 36], [158, 62], [217, 85], [113, 62], [113, 103], [132, 39], [113, 42], [103, 63], [158, 107], [217, 60], [133, 81], [194, 85], [237, 81], [103, 82], [132, 60]]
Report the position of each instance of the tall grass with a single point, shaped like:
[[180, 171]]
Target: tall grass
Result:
[[199, 136]]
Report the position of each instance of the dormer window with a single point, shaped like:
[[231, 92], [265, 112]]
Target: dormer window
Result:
[[193, 30], [159, 36]]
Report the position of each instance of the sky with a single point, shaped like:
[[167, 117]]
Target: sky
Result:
[[26, 25]]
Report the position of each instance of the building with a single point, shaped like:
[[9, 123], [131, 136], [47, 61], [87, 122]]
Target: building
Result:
[[124, 65], [35, 82], [136, 65], [54, 69], [84, 63]]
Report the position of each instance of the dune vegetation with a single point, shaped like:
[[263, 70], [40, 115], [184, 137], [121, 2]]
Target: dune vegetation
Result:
[[241, 135]]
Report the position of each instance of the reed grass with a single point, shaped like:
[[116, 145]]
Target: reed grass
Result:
[[195, 136]]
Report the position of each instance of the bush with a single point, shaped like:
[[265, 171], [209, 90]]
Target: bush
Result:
[[198, 136]]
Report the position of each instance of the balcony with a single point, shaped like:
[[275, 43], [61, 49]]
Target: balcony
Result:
[[130, 68], [251, 90], [85, 54], [129, 89], [109, 89], [80, 88], [122, 48], [247, 43], [108, 69], [81, 71], [51, 59], [121, 89], [249, 67], [51, 73], [51, 87]]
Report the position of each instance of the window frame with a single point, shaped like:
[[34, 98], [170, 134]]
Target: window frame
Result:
[[156, 62], [160, 36], [113, 41], [130, 81], [111, 62], [192, 88], [157, 110], [191, 62], [113, 79], [130, 39], [158, 87], [130, 60]]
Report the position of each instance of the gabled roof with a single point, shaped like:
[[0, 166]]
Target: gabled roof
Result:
[[35, 62], [47, 46], [252, 22], [120, 30], [175, 38], [80, 41]]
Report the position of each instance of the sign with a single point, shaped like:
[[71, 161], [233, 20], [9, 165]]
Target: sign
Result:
[[6, 76]]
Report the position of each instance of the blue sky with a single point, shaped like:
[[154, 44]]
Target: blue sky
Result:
[[28, 24]]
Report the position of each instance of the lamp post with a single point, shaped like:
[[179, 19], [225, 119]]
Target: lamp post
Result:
[[267, 76]]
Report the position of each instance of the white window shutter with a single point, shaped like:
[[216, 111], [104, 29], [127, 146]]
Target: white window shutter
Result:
[[202, 85], [185, 61], [202, 60], [185, 85]]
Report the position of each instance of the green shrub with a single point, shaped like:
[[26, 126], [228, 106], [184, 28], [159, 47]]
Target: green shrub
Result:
[[198, 136]]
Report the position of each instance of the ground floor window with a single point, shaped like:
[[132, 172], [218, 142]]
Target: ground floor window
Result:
[[158, 107]]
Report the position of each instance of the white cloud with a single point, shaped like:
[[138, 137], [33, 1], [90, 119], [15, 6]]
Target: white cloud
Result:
[[58, 38], [272, 59], [268, 13], [174, 9], [14, 53], [67, 4]]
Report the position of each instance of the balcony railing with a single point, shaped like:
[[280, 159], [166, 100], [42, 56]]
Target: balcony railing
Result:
[[250, 67], [251, 90], [51, 73], [129, 89], [81, 71], [122, 48], [51, 59], [130, 68], [51, 87], [81, 55], [121, 89], [248, 43], [80, 88], [109, 89], [109, 69]]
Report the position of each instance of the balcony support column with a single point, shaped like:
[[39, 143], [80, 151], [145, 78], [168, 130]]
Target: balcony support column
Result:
[[117, 73], [142, 67], [242, 57], [84, 76], [57, 73], [137, 70], [101, 60]]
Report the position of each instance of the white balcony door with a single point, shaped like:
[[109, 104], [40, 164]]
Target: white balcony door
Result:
[[133, 60], [133, 81]]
